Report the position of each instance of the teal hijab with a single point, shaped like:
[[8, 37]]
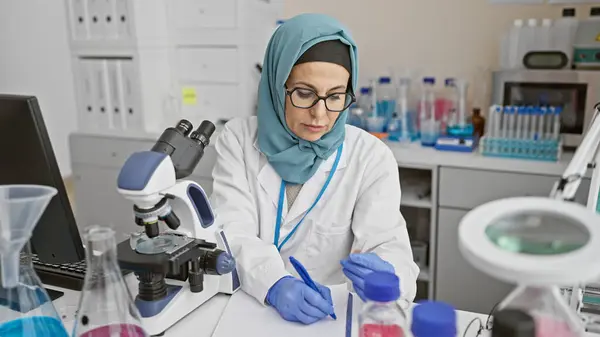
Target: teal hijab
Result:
[[293, 158]]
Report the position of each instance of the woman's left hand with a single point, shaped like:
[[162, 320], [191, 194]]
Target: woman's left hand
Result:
[[357, 266]]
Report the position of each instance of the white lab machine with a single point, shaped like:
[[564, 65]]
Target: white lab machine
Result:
[[543, 244], [142, 64]]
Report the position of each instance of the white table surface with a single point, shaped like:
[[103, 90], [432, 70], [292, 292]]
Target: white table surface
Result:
[[203, 321]]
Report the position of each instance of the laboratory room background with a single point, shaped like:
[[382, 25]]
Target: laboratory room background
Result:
[[424, 168]]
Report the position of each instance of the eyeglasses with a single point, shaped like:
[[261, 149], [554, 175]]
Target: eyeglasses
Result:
[[304, 98]]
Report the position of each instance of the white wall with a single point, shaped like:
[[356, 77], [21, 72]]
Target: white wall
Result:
[[34, 60]]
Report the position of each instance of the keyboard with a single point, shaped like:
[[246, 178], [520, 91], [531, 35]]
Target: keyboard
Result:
[[65, 275]]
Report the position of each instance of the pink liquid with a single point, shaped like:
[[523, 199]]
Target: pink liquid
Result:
[[376, 330], [116, 330], [550, 327]]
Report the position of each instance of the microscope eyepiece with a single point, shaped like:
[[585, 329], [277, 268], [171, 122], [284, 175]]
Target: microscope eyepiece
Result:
[[203, 133], [185, 127]]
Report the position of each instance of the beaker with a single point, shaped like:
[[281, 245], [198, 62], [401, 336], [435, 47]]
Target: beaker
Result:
[[25, 307], [106, 308]]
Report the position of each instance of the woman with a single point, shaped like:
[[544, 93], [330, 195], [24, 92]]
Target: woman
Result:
[[298, 181]]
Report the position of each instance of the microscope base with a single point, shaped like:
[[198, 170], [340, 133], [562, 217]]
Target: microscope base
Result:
[[181, 304]]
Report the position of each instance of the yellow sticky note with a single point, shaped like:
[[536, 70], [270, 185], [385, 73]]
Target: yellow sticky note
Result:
[[598, 37], [189, 96]]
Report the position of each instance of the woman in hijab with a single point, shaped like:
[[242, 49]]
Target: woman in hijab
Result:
[[297, 181]]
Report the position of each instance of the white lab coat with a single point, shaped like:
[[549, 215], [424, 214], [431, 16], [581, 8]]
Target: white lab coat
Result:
[[359, 211]]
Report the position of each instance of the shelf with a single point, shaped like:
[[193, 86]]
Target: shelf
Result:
[[424, 275], [411, 193]]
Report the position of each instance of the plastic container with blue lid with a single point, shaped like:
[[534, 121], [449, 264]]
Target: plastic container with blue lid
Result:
[[434, 319], [381, 315]]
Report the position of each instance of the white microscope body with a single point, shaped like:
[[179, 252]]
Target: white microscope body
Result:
[[195, 252]]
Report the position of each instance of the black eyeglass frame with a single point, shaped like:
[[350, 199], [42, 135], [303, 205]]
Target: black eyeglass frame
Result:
[[324, 98]]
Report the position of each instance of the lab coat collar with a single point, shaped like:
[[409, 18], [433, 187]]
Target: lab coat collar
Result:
[[271, 183]]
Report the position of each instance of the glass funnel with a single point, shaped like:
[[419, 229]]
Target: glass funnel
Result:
[[106, 308], [25, 307]]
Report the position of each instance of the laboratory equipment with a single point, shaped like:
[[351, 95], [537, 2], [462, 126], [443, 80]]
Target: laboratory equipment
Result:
[[522, 134], [543, 243], [105, 308], [402, 128], [181, 268], [433, 319], [587, 44], [478, 122], [356, 116], [381, 315], [564, 31], [459, 134], [575, 91], [306, 278], [364, 100], [510, 46], [25, 307], [428, 124], [386, 98]]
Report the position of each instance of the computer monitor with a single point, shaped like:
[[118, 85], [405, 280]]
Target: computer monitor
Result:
[[27, 157]]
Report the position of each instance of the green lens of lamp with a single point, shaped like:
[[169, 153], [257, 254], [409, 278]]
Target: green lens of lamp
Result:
[[538, 233]]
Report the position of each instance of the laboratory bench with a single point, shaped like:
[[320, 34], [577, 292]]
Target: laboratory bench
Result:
[[438, 189], [205, 320]]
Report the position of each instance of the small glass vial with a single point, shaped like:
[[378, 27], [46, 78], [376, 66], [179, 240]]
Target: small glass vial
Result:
[[433, 319], [381, 315]]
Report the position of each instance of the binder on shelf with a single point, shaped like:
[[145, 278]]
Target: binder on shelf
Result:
[[88, 109], [130, 90], [100, 86], [122, 19], [95, 17], [79, 19], [114, 94]]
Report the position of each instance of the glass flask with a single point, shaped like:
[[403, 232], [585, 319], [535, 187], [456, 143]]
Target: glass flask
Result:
[[25, 307], [106, 308]]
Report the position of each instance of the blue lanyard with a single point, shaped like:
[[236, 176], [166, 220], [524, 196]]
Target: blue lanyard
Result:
[[280, 206]]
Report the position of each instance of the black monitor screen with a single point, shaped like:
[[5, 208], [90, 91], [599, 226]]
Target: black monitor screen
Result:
[[27, 158]]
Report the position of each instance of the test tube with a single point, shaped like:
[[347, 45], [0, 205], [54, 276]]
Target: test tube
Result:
[[490, 124], [504, 128], [510, 110], [549, 122], [526, 122], [519, 110], [556, 126], [543, 112]]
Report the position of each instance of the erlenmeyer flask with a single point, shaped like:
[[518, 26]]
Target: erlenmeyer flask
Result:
[[25, 307], [106, 308], [552, 316]]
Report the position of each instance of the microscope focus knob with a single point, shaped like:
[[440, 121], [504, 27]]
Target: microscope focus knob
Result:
[[217, 262]]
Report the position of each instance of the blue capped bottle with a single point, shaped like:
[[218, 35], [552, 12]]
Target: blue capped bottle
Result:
[[433, 319], [381, 315]]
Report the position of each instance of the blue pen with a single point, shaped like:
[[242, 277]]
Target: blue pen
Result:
[[306, 278]]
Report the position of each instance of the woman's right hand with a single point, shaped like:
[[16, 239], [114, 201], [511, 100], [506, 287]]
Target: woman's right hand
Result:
[[297, 302]]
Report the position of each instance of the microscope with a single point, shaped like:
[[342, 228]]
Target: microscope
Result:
[[185, 265]]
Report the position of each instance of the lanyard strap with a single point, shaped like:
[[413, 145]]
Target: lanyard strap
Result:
[[281, 197]]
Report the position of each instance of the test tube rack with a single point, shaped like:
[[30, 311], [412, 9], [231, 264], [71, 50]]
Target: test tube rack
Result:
[[541, 149]]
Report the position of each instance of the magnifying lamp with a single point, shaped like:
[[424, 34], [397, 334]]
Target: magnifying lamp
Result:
[[538, 244], [541, 244]]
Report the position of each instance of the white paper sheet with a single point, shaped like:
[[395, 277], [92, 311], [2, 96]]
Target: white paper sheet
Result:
[[244, 316]]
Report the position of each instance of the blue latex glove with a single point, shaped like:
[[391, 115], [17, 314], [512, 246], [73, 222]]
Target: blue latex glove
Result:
[[297, 302], [357, 266]]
